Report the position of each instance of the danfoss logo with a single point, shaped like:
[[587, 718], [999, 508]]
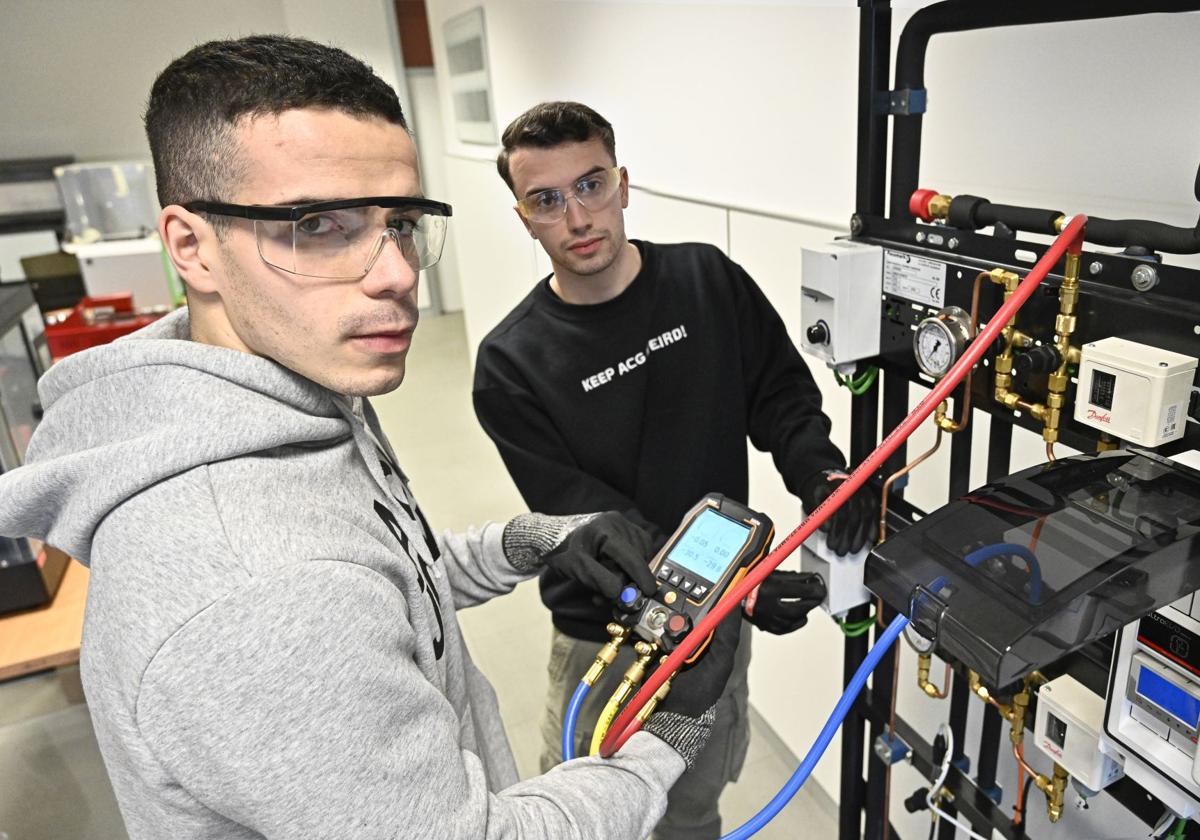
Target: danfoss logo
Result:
[[1050, 748], [1093, 414]]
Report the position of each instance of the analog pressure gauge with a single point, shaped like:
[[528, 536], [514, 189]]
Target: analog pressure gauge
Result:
[[940, 339]]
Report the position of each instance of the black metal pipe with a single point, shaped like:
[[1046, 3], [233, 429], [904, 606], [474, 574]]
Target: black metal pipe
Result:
[[864, 433], [960, 695], [967, 15], [971, 212], [989, 749], [874, 60]]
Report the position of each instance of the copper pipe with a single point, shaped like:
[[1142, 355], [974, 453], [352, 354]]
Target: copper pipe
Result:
[[905, 470], [1050, 451], [1019, 807], [1019, 755], [947, 424]]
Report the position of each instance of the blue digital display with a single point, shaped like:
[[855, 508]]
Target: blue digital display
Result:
[[709, 545], [1169, 697]]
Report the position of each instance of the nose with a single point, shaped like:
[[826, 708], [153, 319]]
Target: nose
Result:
[[392, 274], [578, 217]]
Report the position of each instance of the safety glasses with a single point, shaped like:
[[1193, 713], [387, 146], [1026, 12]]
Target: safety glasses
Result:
[[341, 240], [592, 191]]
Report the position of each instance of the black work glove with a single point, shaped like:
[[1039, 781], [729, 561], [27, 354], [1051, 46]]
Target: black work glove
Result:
[[603, 551], [851, 527], [783, 601], [685, 717]]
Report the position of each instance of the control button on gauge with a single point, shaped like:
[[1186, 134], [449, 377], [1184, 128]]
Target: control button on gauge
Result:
[[686, 586], [699, 589], [665, 572], [670, 598], [657, 618], [676, 579]]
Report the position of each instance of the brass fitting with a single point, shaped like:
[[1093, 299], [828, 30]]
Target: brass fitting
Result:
[[607, 654], [1056, 794], [939, 206], [1064, 327], [663, 690], [924, 663], [635, 672], [1016, 716]]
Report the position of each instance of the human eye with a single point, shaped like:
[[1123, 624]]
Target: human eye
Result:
[[404, 225], [589, 185], [319, 224], [547, 199]]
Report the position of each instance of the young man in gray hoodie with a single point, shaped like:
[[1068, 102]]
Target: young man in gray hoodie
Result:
[[271, 648]]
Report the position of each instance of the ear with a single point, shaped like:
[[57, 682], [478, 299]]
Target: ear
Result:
[[624, 188], [524, 221], [192, 246]]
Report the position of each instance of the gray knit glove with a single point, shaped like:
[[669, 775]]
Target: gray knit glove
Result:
[[686, 717], [603, 551]]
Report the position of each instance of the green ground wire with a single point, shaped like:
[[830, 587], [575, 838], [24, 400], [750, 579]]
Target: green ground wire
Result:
[[860, 385]]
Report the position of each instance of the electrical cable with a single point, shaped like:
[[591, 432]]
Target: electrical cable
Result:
[[860, 385], [1180, 827], [572, 718], [930, 798], [853, 689], [1070, 240]]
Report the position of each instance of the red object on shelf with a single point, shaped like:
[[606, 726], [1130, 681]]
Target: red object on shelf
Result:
[[95, 321]]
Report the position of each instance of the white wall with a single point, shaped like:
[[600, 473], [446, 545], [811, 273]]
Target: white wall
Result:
[[77, 75], [753, 106]]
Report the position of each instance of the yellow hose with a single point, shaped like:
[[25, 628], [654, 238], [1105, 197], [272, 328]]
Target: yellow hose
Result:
[[604, 722]]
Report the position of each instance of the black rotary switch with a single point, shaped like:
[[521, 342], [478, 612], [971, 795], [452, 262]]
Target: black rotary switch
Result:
[[818, 333]]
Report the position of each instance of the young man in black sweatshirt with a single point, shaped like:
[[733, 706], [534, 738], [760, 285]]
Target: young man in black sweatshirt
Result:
[[630, 379]]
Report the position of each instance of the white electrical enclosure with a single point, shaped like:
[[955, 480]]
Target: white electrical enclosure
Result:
[[1153, 706], [842, 285], [1070, 717], [1134, 391], [843, 574]]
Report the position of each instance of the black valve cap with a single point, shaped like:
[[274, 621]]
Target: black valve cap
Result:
[[917, 802], [1042, 359], [677, 627], [818, 333], [1194, 406]]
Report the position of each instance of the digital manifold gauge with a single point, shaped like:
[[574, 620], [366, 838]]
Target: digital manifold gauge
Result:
[[940, 339], [717, 543]]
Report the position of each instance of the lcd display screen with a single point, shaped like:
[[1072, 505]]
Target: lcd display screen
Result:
[[709, 545], [1169, 697]]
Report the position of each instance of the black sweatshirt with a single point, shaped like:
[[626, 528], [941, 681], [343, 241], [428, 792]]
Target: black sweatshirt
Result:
[[643, 403]]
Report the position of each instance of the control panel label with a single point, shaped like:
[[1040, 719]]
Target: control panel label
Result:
[[914, 278]]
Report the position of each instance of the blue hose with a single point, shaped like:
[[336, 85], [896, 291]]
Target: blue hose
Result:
[[568, 734], [977, 557], [822, 743]]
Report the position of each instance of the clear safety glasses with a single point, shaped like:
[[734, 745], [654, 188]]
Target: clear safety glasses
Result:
[[341, 240], [592, 191]]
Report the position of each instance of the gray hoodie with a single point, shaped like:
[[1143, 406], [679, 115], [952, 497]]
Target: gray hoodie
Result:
[[271, 647]]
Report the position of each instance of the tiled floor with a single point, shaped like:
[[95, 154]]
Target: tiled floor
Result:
[[52, 781]]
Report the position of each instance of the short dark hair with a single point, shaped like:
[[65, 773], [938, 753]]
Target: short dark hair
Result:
[[551, 124], [197, 100]]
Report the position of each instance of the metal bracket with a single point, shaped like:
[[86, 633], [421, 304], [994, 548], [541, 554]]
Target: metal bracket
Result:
[[904, 102]]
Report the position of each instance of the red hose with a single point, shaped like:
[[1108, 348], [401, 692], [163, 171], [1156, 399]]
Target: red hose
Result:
[[1069, 241]]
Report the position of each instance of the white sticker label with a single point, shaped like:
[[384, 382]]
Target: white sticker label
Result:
[[915, 278], [1171, 420]]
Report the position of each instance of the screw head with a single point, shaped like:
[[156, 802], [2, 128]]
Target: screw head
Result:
[[1096, 267], [1144, 278], [856, 224], [953, 243], [920, 236]]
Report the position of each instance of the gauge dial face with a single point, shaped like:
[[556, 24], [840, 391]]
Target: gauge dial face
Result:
[[934, 347]]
